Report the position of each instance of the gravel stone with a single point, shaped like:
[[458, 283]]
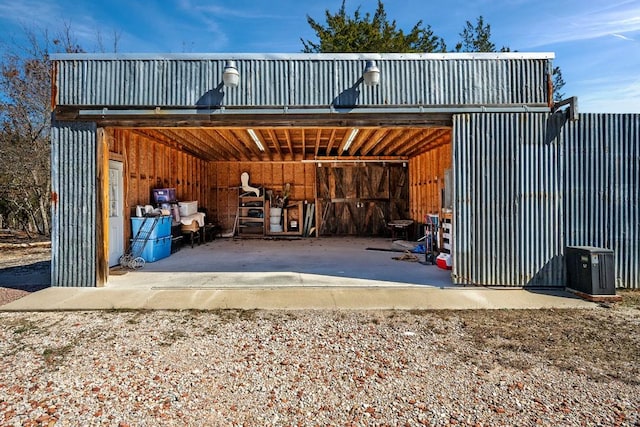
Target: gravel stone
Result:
[[259, 368]]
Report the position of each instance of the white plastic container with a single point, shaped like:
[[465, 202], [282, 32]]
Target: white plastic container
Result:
[[275, 215], [188, 208]]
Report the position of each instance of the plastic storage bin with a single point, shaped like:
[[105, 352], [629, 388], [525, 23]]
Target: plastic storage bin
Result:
[[188, 208], [162, 226], [156, 249]]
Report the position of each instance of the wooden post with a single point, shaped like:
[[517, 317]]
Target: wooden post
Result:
[[102, 217], [315, 201]]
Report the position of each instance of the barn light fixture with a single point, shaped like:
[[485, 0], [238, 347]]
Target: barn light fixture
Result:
[[230, 76], [371, 74], [255, 138], [353, 134]]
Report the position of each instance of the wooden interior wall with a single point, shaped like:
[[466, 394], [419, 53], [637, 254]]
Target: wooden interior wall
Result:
[[149, 164], [426, 181], [269, 175]]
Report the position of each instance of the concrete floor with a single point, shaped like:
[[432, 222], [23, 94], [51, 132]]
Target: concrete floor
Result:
[[332, 261], [326, 273]]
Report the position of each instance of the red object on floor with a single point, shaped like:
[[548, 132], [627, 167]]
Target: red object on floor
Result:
[[444, 261]]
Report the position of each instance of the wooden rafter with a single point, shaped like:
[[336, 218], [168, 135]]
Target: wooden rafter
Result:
[[287, 137], [276, 142], [298, 143], [391, 137], [423, 143], [405, 139], [203, 141], [373, 141], [331, 142], [318, 139], [433, 143], [221, 142], [359, 140], [238, 145]]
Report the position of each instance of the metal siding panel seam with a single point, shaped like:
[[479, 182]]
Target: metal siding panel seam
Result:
[[270, 81], [602, 169], [74, 216], [499, 198]]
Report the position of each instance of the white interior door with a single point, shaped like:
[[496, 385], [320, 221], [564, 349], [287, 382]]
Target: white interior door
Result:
[[116, 214]]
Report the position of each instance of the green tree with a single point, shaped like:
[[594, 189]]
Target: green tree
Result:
[[558, 84], [478, 39], [358, 33]]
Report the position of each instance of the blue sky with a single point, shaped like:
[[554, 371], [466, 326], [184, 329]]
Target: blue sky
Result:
[[596, 42]]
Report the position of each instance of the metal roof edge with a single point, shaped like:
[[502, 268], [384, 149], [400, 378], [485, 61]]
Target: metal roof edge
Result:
[[302, 56]]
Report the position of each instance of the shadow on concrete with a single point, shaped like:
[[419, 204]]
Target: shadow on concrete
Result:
[[553, 292], [28, 277]]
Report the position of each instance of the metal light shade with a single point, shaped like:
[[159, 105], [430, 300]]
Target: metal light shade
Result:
[[230, 76], [371, 74]]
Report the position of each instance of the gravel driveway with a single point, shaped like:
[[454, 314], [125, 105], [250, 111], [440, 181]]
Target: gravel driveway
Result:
[[338, 368], [257, 368]]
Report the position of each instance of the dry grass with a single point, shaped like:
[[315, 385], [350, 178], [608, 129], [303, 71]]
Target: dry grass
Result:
[[603, 343]]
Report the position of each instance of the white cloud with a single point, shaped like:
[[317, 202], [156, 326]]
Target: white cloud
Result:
[[30, 13], [217, 10], [589, 23], [608, 95], [620, 36]]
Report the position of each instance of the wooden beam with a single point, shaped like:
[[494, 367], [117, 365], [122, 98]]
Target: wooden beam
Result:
[[276, 142], [344, 140], [237, 145], [223, 143], [203, 138], [287, 137], [373, 141], [359, 140], [329, 159], [390, 145], [331, 142], [267, 150], [102, 208], [434, 143], [391, 137], [318, 137], [228, 120], [169, 141], [186, 144], [422, 144], [243, 137]]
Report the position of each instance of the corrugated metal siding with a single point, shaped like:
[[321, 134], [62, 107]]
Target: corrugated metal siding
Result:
[[602, 185], [508, 218], [301, 83], [73, 236]]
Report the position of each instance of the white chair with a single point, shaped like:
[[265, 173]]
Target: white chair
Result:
[[244, 179]]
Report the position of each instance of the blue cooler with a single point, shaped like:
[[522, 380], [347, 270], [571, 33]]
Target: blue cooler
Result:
[[156, 249], [162, 226]]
